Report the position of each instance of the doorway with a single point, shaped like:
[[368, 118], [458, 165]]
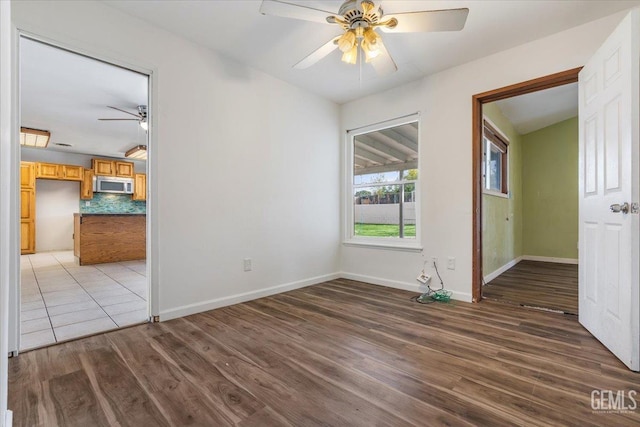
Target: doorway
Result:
[[530, 199], [83, 194], [479, 101]]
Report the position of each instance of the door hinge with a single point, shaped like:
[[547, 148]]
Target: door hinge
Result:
[[635, 207]]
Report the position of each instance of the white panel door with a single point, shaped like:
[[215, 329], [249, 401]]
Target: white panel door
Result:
[[609, 298]]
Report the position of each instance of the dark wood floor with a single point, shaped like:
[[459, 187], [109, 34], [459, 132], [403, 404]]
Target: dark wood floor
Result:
[[537, 284], [342, 353]]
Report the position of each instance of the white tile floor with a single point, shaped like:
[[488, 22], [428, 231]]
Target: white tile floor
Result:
[[63, 300]]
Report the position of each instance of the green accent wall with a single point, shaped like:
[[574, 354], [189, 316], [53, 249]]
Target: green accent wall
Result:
[[502, 217], [550, 190]]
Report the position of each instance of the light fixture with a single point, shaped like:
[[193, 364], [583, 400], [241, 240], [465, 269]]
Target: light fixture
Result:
[[139, 152], [143, 124], [34, 137], [365, 38], [370, 44]]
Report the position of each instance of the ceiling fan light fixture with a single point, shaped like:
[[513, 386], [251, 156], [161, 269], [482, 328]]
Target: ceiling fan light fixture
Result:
[[139, 152], [347, 41], [370, 36], [351, 56], [34, 137], [370, 51]]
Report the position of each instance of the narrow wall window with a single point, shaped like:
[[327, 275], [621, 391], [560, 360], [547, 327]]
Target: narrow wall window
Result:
[[495, 160], [383, 182]]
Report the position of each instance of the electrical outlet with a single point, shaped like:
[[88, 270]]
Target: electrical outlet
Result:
[[87, 203], [423, 278], [247, 264], [451, 263], [434, 260]]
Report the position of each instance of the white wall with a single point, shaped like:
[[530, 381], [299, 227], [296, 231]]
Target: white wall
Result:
[[56, 202], [444, 103], [233, 154]]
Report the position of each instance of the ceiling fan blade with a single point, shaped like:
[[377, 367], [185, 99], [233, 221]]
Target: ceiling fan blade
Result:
[[137, 120], [125, 111], [317, 54], [383, 63], [295, 11], [427, 21]]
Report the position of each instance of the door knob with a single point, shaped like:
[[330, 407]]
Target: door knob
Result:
[[617, 208]]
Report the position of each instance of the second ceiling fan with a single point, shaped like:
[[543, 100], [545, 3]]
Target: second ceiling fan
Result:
[[359, 19]]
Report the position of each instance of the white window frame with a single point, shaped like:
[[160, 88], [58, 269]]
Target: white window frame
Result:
[[485, 142], [350, 239]]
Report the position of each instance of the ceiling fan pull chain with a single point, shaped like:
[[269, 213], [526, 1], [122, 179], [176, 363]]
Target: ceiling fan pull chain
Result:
[[359, 72]]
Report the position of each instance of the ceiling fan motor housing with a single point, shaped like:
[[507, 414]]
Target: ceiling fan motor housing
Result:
[[360, 14]]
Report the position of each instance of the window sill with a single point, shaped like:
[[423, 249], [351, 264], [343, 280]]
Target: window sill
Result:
[[377, 244], [495, 194]]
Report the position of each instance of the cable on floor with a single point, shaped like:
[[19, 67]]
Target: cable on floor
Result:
[[433, 295]]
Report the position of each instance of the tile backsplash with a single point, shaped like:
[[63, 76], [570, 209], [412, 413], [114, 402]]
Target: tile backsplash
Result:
[[113, 203]]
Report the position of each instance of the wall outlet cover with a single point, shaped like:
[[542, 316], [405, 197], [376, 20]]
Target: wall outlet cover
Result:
[[423, 278]]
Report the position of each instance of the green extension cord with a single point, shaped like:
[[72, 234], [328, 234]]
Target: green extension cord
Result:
[[440, 295], [430, 296]]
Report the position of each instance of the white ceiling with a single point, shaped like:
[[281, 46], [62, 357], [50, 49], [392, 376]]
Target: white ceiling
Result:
[[66, 93], [537, 110], [272, 44]]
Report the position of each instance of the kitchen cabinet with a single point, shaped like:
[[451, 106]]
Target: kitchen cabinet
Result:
[[117, 168], [57, 171], [139, 187], [48, 170], [103, 167], [100, 238], [27, 237], [86, 185], [27, 203], [27, 208], [27, 175], [124, 169], [72, 173]]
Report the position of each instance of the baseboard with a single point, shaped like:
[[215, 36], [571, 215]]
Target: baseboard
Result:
[[8, 418], [489, 277], [199, 307], [413, 287], [550, 259]]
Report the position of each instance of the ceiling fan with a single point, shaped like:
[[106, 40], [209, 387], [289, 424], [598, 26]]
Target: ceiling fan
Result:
[[359, 20], [141, 116]]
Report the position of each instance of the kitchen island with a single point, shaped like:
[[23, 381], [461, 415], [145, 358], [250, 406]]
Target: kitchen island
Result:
[[101, 238]]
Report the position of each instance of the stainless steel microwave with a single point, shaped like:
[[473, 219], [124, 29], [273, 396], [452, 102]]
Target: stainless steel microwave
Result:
[[109, 184]]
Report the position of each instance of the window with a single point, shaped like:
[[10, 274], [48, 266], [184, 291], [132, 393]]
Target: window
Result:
[[495, 167], [383, 180]]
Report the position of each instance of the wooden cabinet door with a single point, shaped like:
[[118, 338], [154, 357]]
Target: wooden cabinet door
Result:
[[86, 186], [27, 203], [27, 175], [49, 170], [140, 187], [124, 169], [103, 167], [27, 237], [72, 173]]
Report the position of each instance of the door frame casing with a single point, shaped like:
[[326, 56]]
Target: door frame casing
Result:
[[89, 51], [529, 86]]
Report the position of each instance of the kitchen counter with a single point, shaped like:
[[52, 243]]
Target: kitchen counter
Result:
[[100, 238]]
